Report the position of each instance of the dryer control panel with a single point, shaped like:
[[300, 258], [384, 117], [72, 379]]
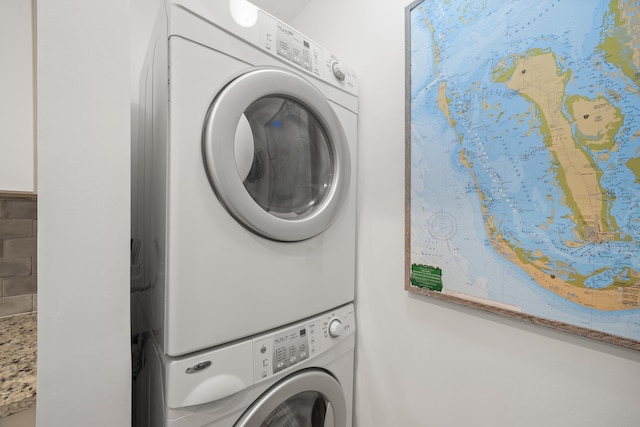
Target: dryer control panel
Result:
[[286, 43], [283, 349]]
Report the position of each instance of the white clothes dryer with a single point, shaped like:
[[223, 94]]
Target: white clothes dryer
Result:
[[301, 375], [244, 176]]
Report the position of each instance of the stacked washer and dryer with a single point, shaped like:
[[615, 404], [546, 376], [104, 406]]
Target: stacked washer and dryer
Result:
[[244, 203]]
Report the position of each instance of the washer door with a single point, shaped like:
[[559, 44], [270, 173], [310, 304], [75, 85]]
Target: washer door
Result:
[[311, 398], [276, 154]]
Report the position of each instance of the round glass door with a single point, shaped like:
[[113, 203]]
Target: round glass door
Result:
[[291, 170], [308, 409], [276, 155], [311, 398]]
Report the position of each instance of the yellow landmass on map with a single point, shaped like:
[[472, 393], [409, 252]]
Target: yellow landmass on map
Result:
[[618, 296], [536, 77], [634, 165], [597, 121], [443, 102]]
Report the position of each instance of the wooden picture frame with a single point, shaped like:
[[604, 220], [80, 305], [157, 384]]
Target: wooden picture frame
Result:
[[444, 206]]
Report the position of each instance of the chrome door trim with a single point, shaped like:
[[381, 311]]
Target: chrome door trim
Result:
[[219, 155], [307, 380]]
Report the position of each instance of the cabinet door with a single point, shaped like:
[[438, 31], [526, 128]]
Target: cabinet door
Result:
[[17, 148]]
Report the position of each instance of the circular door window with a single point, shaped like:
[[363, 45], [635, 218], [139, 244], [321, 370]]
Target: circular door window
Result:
[[311, 398], [276, 155]]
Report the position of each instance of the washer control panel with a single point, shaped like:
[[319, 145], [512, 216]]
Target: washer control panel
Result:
[[275, 352], [290, 45]]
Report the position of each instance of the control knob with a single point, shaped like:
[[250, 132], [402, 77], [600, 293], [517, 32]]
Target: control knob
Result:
[[335, 328], [336, 68]]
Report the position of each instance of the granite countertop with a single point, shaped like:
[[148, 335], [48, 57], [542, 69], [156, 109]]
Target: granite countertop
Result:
[[18, 339]]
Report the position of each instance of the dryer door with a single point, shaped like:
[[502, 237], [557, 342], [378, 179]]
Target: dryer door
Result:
[[311, 398], [276, 154]]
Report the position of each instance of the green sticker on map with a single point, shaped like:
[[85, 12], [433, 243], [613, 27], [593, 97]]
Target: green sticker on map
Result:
[[427, 277]]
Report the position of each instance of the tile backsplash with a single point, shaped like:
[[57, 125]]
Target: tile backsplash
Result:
[[18, 254]]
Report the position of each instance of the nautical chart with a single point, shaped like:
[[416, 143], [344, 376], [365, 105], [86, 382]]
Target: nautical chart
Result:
[[524, 141]]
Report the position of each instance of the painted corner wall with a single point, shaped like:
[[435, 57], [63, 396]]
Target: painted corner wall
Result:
[[83, 130], [422, 362], [17, 143]]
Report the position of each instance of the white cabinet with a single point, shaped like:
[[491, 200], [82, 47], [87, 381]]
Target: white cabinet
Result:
[[17, 124]]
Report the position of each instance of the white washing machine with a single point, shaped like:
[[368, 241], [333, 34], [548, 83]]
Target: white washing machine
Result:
[[301, 375], [244, 176]]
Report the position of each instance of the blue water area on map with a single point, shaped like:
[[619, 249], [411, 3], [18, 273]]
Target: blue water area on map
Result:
[[498, 131]]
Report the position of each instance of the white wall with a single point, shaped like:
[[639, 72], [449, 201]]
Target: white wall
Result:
[[83, 208], [17, 146], [422, 362]]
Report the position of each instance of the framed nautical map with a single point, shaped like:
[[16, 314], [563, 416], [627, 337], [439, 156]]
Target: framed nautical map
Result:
[[523, 160]]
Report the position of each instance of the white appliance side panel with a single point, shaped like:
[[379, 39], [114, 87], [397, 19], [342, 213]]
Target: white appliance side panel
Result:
[[217, 269], [152, 169]]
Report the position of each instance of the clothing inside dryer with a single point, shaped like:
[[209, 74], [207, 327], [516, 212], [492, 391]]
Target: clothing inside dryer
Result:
[[307, 409], [293, 164]]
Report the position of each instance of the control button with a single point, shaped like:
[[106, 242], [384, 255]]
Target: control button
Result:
[[280, 365], [336, 68], [293, 359], [335, 328]]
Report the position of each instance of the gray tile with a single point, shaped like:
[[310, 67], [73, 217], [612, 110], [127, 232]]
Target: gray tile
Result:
[[14, 248], [16, 228], [15, 267], [19, 208], [19, 285], [16, 305]]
